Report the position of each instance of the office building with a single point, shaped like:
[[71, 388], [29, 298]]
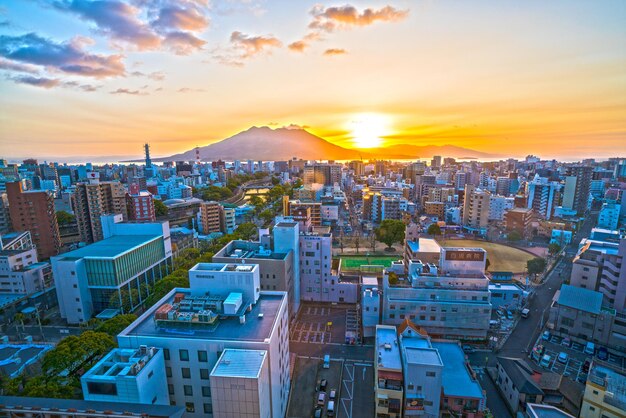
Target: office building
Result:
[[140, 205], [93, 200], [129, 376], [223, 309], [449, 300], [503, 186], [307, 214], [287, 239], [116, 272], [476, 209], [388, 375], [33, 211], [315, 266]]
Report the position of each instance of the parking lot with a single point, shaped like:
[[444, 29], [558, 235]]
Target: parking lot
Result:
[[321, 324], [357, 390], [573, 367], [305, 389]]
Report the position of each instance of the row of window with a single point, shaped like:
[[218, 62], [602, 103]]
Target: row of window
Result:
[[183, 355]]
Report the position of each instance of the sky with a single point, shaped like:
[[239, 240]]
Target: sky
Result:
[[96, 79]]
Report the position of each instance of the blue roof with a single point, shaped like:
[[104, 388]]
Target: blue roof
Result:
[[581, 299], [390, 355], [240, 363], [111, 247], [456, 377]]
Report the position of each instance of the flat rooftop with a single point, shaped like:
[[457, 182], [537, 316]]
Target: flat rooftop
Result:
[[428, 356], [14, 357], [240, 363], [254, 329], [504, 286], [424, 245], [388, 348], [545, 411], [223, 267], [613, 383], [456, 379], [112, 247], [119, 363], [248, 250]]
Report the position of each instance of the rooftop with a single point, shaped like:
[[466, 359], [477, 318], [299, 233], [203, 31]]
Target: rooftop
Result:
[[240, 363], [112, 247], [388, 349], [223, 267], [580, 299], [249, 250], [257, 327], [613, 382], [121, 363], [521, 375], [545, 411], [456, 380], [424, 245], [428, 356], [14, 357]]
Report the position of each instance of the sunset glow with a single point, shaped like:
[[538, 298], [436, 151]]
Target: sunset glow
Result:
[[368, 129]]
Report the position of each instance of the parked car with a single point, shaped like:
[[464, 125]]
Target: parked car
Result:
[[537, 352], [546, 335], [323, 384], [330, 411], [525, 312], [545, 361], [586, 365], [603, 354], [566, 342], [321, 398], [333, 394], [562, 358], [590, 348], [509, 314], [318, 412], [468, 349]]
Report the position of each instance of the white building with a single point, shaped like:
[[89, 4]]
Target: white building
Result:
[[21, 273], [609, 216], [498, 205]]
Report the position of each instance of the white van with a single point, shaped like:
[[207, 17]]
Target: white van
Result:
[[590, 348], [525, 312]]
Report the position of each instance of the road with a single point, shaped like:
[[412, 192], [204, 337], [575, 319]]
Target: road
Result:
[[336, 351]]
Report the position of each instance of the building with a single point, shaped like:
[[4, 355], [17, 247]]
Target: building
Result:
[[182, 212], [139, 204], [476, 209], [241, 377], [519, 220], [518, 383], [326, 174], [93, 200], [605, 392], [33, 211], [498, 206], [315, 266], [5, 215], [545, 411], [21, 273], [116, 272], [307, 214], [128, 375], [223, 309], [426, 250], [388, 374], [609, 216], [509, 296], [577, 189], [210, 218], [437, 209], [542, 196], [449, 300]]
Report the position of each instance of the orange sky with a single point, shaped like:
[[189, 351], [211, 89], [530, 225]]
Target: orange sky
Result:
[[547, 78]]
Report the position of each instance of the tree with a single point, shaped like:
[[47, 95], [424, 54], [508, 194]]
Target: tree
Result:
[[74, 352], [246, 231], [487, 264], [159, 208], [536, 265], [393, 278], [390, 231], [554, 248], [514, 236], [275, 180], [116, 325], [434, 229], [65, 218], [267, 215]]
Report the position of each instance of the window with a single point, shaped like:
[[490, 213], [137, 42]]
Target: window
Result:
[[190, 407], [96, 388], [206, 391], [202, 356], [431, 374], [150, 374], [168, 372], [204, 374], [208, 408], [170, 388], [186, 372], [166, 354], [183, 355], [188, 390]]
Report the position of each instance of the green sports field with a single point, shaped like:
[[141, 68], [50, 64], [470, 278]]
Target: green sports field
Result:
[[501, 257], [353, 263]]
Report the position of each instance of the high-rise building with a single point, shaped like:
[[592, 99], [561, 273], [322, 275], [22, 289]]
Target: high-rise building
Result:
[[140, 204], [326, 174], [33, 211], [503, 186], [476, 208], [93, 200], [436, 161], [210, 217], [577, 189], [5, 215], [542, 195], [315, 265], [609, 216]]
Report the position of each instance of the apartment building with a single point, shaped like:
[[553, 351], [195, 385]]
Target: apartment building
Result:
[[93, 200], [605, 392], [326, 174], [139, 204], [388, 375], [315, 266], [33, 211], [224, 309], [307, 214], [476, 209], [498, 206], [519, 220], [449, 300], [210, 218], [542, 196], [609, 215], [21, 273]]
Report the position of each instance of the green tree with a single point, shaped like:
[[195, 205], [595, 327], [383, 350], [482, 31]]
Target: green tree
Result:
[[246, 231], [514, 236], [275, 180], [256, 201], [390, 231], [267, 215], [536, 265], [434, 229], [159, 208], [65, 218], [554, 248], [75, 352], [393, 278], [116, 325]]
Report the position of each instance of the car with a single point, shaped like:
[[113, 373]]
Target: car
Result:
[[318, 412], [603, 354], [468, 349], [566, 342], [332, 394], [525, 312], [330, 411], [509, 314], [562, 357], [321, 398], [590, 348], [585, 366], [537, 352], [323, 384], [546, 335], [327, 361], [545, 361]]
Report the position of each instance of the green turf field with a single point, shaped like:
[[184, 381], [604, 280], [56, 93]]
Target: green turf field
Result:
[[501, 257], [353, 263]]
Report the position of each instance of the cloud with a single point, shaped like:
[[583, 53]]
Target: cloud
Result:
[[305, 42], [46, 83], [67, 57], [156, 75], [128, 91], [344, 17], [89, 87], [17, 67], [190, 90], [114, 19], [183, 43], [190, 18], [335, 51], [252, 45]]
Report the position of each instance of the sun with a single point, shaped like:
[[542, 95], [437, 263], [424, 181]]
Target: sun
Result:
[[367, 130]]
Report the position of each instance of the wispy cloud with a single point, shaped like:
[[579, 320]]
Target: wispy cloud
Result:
[[335, 51], [128, 91], [44, 82], [66, 57], [249, 45], [183, 43], [190, 18], [190, 90], [17, 67]]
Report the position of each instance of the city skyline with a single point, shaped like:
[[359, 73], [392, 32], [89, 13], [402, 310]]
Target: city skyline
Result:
[[85, 79]]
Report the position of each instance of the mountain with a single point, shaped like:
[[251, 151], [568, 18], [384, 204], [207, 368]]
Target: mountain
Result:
[[264, 143]]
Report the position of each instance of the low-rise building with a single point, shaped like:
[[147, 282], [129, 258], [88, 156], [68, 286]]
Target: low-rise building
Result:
[[388, 374], [605, 393], [519, 220], [518, 383], [506, 295]]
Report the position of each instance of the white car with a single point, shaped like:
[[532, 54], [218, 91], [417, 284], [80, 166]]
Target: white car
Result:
[[562, 358]]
